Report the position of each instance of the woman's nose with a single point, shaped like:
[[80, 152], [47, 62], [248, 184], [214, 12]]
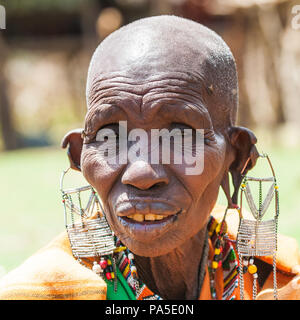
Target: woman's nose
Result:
[[143, 175]]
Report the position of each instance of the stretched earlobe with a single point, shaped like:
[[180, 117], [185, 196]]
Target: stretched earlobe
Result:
[[243, 142], [75, 141], [226, 188]]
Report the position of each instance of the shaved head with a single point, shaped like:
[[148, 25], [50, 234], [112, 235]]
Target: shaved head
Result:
[[193, 57]]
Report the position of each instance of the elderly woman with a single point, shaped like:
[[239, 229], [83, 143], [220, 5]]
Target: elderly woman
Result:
[[168, 73]]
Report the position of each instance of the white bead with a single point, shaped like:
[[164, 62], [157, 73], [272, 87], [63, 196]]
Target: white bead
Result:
[[251, 261], [245, 262], [96, 268], [130, 256], [133, 268], [255, 275]]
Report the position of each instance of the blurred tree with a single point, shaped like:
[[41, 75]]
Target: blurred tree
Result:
[[6, 120]]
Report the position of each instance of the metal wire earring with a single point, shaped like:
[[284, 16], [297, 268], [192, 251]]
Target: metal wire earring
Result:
[[257, 237], [89, 233]]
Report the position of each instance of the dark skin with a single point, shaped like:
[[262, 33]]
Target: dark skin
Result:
[[152, 82]]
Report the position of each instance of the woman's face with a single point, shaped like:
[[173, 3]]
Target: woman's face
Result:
[[152, 207]]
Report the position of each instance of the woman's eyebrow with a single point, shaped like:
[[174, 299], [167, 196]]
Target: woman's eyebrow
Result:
[[197, 116], [101, 115], [174, 110]]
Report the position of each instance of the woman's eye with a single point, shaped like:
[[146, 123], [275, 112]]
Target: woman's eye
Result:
[[184, 129], [108, 133], [191, 134]]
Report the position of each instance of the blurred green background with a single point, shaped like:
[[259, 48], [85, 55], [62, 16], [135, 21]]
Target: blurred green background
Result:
[[44, 55]]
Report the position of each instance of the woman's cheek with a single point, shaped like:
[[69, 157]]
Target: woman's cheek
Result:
[[213, 158], [98, 171]]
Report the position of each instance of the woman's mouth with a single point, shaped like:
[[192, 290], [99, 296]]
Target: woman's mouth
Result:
[[150, 218], [145, 209], [147, 219]]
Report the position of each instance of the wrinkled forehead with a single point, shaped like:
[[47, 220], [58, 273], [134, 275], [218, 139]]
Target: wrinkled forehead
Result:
[[182, 55]]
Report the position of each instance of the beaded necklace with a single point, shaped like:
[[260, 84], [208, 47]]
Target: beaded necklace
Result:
[[123, 259], [225, 257]]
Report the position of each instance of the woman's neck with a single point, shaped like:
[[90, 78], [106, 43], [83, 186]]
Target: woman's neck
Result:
[[176, 274]]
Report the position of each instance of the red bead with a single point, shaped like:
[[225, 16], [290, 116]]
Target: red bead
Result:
[[103, 264], [108, 276], [220, 263]]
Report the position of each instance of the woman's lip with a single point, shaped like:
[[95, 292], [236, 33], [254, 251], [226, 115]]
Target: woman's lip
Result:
[[147, 231], [145, 207]]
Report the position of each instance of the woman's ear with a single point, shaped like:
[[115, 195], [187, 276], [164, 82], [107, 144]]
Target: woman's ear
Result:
[[75, 141], [243, 142]]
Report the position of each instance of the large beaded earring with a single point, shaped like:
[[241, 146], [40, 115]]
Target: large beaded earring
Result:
[[257, 237], [89, 233]]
